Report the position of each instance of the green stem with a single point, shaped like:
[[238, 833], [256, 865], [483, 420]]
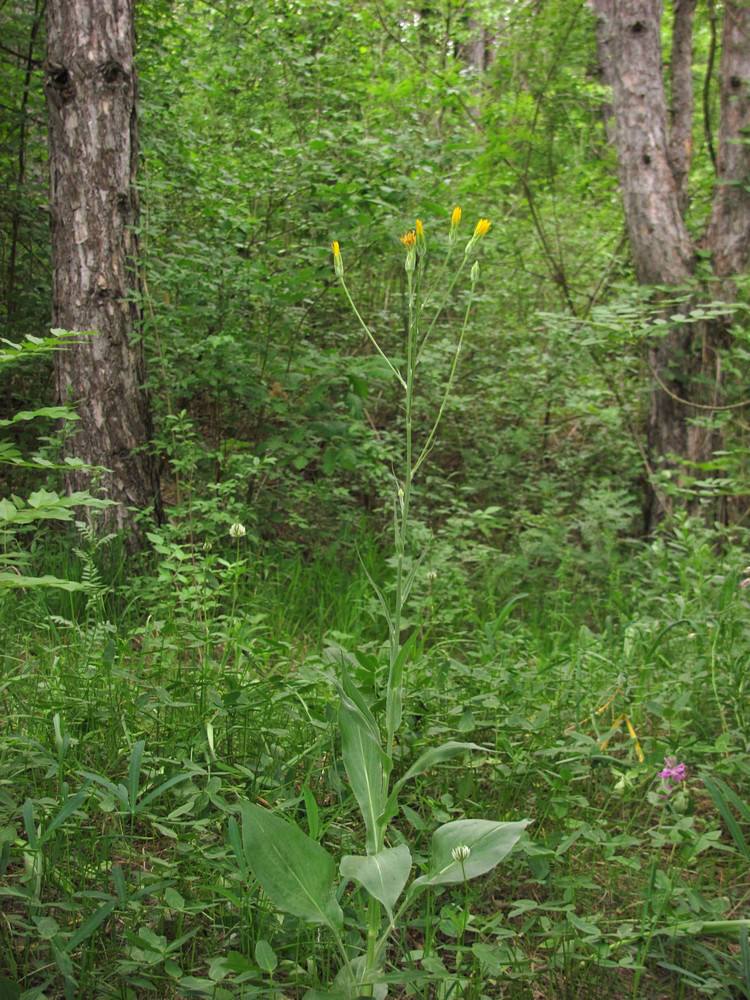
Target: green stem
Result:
[[404, 496], [713, 680], [342, 951], [373, 929], [448, 291], [366, 328], [448, 386]]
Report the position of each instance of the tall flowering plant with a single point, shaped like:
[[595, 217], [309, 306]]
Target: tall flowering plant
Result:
[[297, 873]]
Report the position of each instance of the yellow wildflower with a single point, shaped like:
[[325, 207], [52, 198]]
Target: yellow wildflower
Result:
[[421, 242], [410, 242], [482, 227], [338, 265], [455, 219]]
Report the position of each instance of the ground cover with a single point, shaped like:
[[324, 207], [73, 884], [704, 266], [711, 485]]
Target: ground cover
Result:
[[130, 732]]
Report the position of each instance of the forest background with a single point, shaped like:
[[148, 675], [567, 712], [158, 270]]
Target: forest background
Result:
[[578, 606]]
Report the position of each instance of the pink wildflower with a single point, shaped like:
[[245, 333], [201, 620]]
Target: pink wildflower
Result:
[[673, 772]]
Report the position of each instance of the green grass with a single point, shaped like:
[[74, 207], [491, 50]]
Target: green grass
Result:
[[134, 719]]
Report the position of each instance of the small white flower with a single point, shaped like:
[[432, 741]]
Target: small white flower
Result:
[[432, 574], [237, 530], [460, 853]]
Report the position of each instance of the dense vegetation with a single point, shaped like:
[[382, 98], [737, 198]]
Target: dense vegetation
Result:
[[142, 702]]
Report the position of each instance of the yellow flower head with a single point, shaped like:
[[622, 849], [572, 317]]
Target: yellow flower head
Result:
[[409, 240], [421, 242], [482, 227], [338, 265], [455, 219]]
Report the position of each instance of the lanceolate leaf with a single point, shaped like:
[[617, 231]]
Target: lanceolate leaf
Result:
[[351, 692], [435, 755], [14, 580], [488, 842], [296, 873], [395, 687], [383, 874], [363, 759]]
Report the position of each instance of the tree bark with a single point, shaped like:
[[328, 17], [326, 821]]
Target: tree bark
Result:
[[729, 231], [91, 87], [10, 289], [654, 145]]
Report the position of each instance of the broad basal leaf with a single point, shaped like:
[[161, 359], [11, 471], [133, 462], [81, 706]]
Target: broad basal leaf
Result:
[[383, 874], [488, 844], [296, 873]]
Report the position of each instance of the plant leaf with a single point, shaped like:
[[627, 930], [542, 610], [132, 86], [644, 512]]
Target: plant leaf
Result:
[[87, 929], [296, 873], [383, 874], [235, 840], [265, 956], [363, 759], [14, 580], [134, 773], [434, 755], [69, 807], [717, 790], [352, 981], [396, 687], [488, 841]]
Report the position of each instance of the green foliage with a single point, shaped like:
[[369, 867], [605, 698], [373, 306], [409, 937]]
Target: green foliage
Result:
[[24, 224], [17, 514], [137, 831], [147, 711]]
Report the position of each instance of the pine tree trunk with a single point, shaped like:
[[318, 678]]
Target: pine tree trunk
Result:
[[654, 145], [92, 88]]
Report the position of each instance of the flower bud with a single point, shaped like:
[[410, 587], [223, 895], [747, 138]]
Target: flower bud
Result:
[[421, 242], [475, 272], [461, 853], [338, 265], [481, 229], [455, 219]]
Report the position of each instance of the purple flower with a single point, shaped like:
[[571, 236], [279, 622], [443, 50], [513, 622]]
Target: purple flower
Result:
[[673, 772]]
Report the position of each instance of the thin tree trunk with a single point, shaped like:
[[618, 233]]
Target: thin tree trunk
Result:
[[21, 176], [729, 231], [92, 88], [681, 103], [654, 148]]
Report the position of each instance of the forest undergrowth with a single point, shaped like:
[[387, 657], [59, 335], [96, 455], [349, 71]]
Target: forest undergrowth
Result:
[[609, 703], [566, 698], [551, 735]]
